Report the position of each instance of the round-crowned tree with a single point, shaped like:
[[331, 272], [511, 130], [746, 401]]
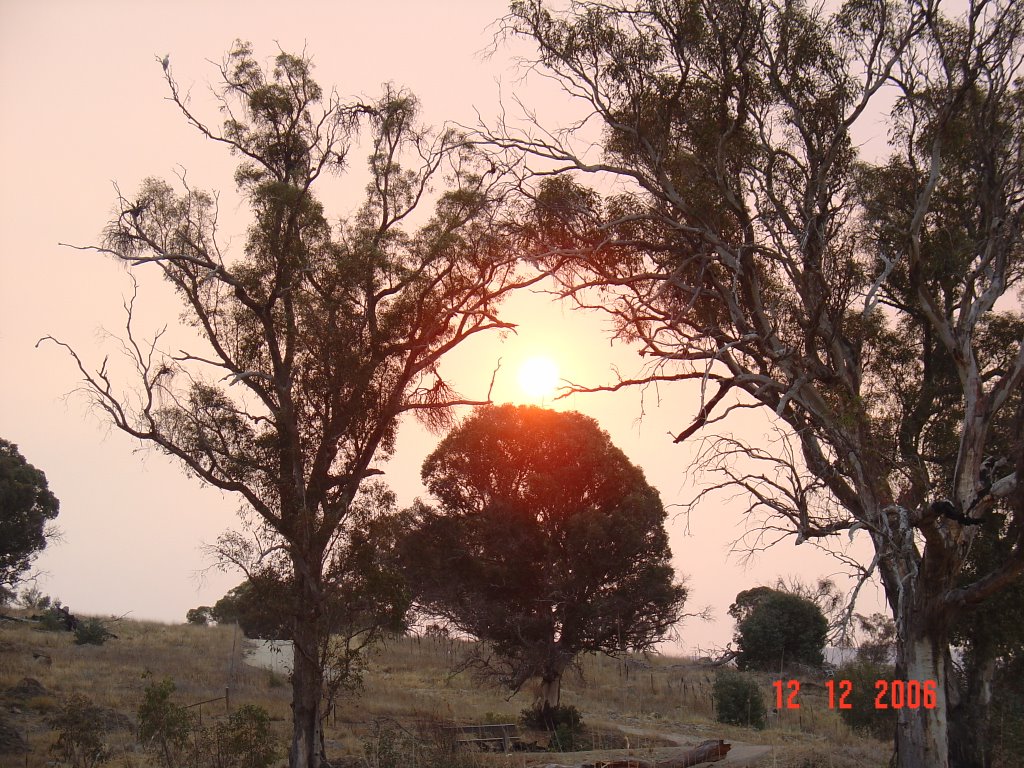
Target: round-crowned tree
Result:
[[546, 542], [776, 629], [26, 506]]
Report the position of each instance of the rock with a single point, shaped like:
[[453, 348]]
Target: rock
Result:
[[111, 720], [11, 741], [27, 688]]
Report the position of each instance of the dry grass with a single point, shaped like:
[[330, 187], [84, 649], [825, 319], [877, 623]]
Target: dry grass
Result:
[[409, 686]]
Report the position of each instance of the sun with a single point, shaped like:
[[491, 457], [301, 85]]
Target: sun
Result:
[[538, 377]]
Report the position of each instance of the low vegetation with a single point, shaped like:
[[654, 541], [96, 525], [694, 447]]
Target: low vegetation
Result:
[[155, 684]]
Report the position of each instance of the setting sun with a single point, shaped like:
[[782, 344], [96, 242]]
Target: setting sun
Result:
[[538, 377]]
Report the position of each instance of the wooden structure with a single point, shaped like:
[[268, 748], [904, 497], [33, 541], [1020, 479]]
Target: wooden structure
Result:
[[487, 737]]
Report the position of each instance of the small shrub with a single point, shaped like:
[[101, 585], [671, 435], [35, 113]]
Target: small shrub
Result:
[[564, 738], [862, 715], [386, 748], [78, 744], [33, 599], [52, 619], [738, 700], [542, 717], [164, 726], [92, 632], [199, 616], [245, 740]]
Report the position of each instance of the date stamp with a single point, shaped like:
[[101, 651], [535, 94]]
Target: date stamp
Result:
[[889, 694]]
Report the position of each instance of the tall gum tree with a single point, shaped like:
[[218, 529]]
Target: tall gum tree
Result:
[[317, 338], [750, 249]]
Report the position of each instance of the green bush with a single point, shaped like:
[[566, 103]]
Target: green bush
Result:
[[244, 741], [173, 734], [781, 629], [199, 616], [164, 726], [564, 738], [862, 715], [546, 718], [78, 744], [738, 700], [52, 619], [391, 746], [92, 632]]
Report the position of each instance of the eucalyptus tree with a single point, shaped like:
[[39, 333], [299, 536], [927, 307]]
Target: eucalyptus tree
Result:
[[316, 337], [546, 542], [27, 505], [747, 246]]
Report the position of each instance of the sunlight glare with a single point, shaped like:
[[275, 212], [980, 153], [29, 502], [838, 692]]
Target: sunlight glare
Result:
[[538, 377]]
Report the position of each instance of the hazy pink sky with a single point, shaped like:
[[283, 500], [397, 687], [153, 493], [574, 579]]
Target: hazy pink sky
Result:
[[84, 105]]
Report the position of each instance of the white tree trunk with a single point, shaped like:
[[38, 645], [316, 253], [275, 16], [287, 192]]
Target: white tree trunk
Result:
[[922, 733]]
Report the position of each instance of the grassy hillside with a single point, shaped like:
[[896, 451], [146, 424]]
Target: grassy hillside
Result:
[[647, 703]]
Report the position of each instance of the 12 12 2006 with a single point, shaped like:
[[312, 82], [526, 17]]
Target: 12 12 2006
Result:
[[889, 694]]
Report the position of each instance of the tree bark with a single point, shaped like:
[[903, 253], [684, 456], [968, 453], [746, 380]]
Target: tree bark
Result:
[[922, 733], [550, 693], [307, 678]]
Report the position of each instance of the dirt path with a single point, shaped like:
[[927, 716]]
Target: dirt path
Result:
[[741, 754]]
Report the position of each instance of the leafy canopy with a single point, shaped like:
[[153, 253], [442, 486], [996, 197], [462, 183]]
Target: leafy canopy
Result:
[[777, 629], [546, 542], [26, 506]]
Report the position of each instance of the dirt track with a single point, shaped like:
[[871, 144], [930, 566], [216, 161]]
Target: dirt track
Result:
[[739, 755]]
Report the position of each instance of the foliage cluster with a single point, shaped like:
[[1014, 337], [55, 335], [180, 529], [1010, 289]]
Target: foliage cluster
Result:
[[863, 715], [553, 544], [26, 507], [176, 738], [546, 718], [869, 304], [738, 700], [1008, 712], [92, 631], [79, 741], [775, 629], [392, 746]]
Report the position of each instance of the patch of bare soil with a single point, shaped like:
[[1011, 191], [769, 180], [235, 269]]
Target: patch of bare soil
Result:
[[784, 755], [649, 744]]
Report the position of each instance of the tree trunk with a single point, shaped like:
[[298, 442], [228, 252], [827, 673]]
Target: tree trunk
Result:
[[307, 680], [921, 733], [550, 693]]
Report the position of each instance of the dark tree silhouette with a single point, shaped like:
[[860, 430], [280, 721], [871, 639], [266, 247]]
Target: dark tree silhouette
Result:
[[746, 246], [546, 542], [316, 337], [26, 506]]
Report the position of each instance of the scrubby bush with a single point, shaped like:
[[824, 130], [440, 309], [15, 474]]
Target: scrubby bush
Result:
[[164, 726], [78, 744], [199, 616], [546, 718], [738, 700], [391, 746], [177, 739], [92, 632], [34, 599], [54, 617], [564, 738], [244, 741], [862, 715]]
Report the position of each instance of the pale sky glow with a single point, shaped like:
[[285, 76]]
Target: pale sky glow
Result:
[[84, 106]]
